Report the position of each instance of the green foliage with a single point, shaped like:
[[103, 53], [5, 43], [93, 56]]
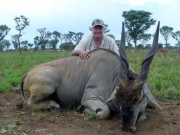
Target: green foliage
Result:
[[3, 31], [77, 37], [166, 32], [147, 46], [41, 109], [4, 44], [69, 106], [145, 38], [163, 74], [13, 66], [137, 22], [11, 127], [55, 39], [41, 116], [129, 46], [140, 46], [176, 36], [1, 46], [160, 45], [21, 23], [118, 42], [90, 116], [16, 122], [106, 30], [128, 38], [67, 46], [70, 36], [15, 41], [23, 49], [42, 40]]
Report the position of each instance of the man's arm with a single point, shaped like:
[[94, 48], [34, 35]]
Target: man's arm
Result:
[[80, 49], [115, 48], [83, 54]]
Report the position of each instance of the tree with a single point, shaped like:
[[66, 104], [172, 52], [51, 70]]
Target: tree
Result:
[[61, 37], [67, 46], [118, 42], [176, 36], [147, 46], [111, 35], [1, 46], [145, 38], [52, 44], [106, 30], [70, 36], [24, 44], [43, 39], [15, 41], [166, 33], [140, 46], [3, 31], [137, 22], [160, 45], [6, 44], [21, 22], [77, 37], [55, 39], [37, 42], [30, 45], [130, 46], [167, 45], [128, 39], [65, 37]]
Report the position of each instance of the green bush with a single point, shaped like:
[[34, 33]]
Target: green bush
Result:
[[67, 46]]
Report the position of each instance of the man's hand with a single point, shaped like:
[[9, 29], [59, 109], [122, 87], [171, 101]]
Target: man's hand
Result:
[[81, 53], [84, 55]]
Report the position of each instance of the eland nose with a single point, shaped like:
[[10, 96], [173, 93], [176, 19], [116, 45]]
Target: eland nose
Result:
[[132, 128]]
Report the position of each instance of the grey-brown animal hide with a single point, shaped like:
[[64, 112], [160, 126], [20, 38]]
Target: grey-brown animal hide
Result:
[[90, 81], [101, 83]]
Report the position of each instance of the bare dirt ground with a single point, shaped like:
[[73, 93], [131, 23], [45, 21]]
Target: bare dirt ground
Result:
[[29, 122]]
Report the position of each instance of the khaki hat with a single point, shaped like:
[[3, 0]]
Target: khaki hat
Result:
[[98, 22]]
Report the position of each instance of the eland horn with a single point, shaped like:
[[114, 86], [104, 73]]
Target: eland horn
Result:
[[123, 59], [142, 77]]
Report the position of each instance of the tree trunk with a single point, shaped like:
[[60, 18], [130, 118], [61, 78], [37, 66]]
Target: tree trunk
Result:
[[19, 45], [135, 44]]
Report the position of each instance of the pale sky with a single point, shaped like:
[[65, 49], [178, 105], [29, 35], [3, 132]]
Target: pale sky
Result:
[[77, 15]]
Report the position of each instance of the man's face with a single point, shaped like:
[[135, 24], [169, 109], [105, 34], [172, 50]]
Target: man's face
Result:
[[98, 31]]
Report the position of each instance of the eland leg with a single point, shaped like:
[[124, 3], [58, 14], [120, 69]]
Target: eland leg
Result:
[[97, 107], [42, 82], [38, 99]]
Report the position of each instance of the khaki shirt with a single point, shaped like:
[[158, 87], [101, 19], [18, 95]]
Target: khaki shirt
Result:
[[87, 44]]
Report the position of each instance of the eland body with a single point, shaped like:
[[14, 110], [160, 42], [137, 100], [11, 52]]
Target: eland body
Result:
[[101, 83]]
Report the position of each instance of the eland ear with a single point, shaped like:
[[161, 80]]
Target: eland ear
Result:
[[150, 97]]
